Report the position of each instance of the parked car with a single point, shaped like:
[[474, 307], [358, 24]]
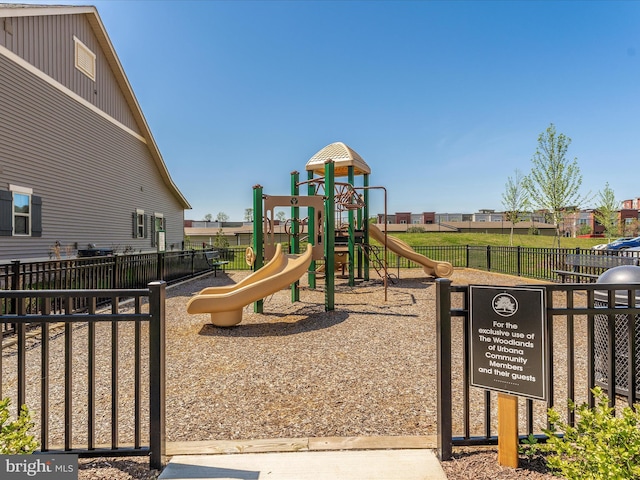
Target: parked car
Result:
[[603, 246], [624, 244]]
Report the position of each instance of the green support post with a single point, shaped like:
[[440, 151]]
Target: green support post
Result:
[[352, 231], [258, 240], [359, 247], [365, 224], [295, 239], [311, 190], [330, 233]]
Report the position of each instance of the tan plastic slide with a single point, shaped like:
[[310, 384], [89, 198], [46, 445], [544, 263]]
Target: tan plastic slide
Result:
[[225, 304], [430, 267]]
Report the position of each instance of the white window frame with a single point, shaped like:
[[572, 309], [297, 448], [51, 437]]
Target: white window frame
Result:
[[18, 190], [85, 59], [139, 223]]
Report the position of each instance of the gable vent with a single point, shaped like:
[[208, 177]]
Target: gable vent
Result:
[[85, 59]]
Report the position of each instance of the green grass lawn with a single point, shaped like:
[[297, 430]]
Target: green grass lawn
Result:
[[434, 239], [494, 239]]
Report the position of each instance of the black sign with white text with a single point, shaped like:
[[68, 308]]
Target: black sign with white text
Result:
[[508, 340]]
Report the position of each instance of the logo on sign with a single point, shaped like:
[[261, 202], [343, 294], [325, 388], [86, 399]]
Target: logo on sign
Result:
[[504, 305]]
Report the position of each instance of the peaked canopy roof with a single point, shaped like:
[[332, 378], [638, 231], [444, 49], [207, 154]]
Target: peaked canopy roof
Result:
[[343, 156]]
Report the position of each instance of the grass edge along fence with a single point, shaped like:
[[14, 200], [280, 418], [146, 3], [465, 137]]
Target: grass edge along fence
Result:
[[147, 412]]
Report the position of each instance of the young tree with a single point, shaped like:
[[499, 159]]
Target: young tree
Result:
[[208, 217], [220, 241], [515, 200], [606, 213], [222, 217], [248, 214], [554, 182], [281, 216]]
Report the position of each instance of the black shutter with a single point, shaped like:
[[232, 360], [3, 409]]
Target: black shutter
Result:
[[134, 221], [36, 216], [146, 230], [6, 213], [153, 230]]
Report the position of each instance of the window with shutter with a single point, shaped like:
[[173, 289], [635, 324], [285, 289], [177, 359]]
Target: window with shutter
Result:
[[20, 212]]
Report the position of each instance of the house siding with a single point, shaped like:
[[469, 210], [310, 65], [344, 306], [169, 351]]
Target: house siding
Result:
[[90, 173], [47, 43]]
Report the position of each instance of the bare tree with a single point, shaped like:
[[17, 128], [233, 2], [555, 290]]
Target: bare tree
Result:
[[515, 200], [554, 183], [222, 217], [208, 217], [248, 214]]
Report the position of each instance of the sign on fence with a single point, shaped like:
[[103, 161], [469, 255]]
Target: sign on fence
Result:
[[508, 340]]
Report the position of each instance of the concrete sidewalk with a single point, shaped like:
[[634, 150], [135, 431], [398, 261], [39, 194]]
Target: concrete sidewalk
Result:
[[414, 464]]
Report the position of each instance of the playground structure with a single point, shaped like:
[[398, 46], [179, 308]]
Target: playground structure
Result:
[[337, 231]]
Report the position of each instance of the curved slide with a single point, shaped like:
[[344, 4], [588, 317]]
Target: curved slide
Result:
[[225, 303], [430, 267]]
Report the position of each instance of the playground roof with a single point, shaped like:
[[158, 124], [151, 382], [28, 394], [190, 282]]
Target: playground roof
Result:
[[343, 156]]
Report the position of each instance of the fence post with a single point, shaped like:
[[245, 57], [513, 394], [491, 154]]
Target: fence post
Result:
[[468, 255], [157, 432], [15, 283], [160, 266], [443, 343], [488, 258], [519, 260], [115, 282]]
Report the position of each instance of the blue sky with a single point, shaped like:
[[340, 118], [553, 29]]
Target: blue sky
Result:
[[443, 99]]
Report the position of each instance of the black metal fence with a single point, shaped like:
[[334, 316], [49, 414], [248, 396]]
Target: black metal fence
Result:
[[93, 379], [137, 270], [117, 271], [530, 262], [576, 359]]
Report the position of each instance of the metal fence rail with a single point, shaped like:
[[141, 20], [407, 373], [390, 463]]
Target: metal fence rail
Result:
[[571, 309], [56, 398]]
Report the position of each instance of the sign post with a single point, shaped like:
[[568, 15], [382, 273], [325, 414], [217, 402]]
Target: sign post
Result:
[[508, 430], [508, 353]]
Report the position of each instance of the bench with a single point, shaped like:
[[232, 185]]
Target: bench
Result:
[[213, 259], [575, 263]]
